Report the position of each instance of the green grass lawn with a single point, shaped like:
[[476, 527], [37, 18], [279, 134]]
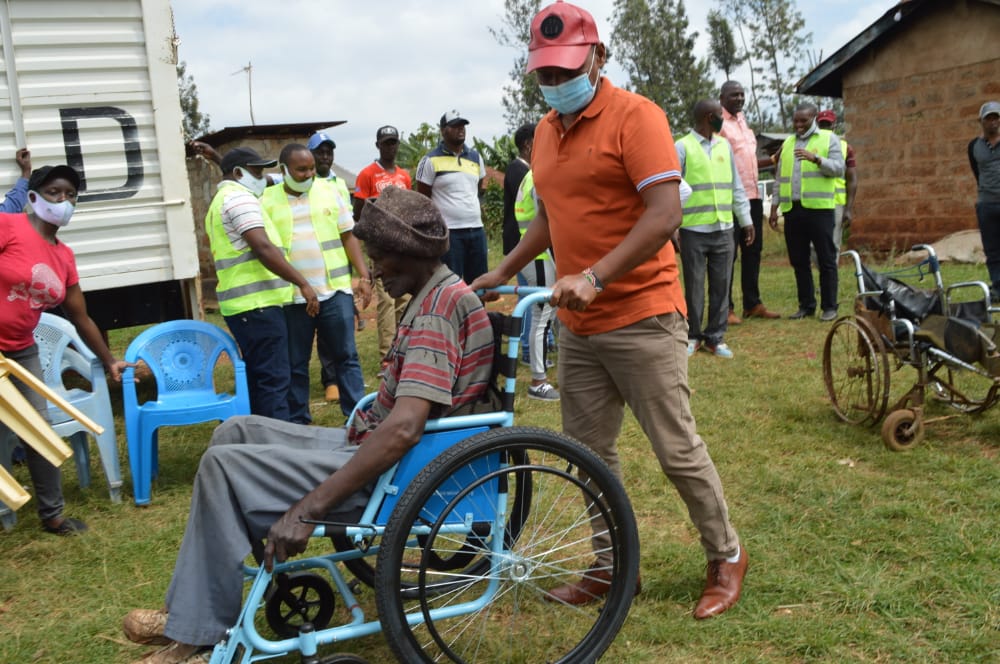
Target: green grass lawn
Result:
[[857, 554]]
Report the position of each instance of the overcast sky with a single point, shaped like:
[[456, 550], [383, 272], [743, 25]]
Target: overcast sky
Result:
[[398, 62]]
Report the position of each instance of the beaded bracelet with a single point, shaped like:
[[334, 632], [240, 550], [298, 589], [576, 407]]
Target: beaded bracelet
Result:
[[593, 279]]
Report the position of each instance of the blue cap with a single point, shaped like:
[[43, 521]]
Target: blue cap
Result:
[[319, 138]]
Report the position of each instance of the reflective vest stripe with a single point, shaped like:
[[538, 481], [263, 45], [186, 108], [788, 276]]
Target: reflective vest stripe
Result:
[[247, 289], [840, 186], [244, 282], [817, 191], [711, 180], [224, 263]]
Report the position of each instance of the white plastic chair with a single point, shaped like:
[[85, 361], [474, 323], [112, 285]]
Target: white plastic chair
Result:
[[60, 348]]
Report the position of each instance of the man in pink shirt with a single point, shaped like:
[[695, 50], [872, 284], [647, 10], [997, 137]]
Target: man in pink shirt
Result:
[[739, 134]]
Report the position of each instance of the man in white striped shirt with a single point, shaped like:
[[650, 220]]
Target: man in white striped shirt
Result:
[[316, 223]]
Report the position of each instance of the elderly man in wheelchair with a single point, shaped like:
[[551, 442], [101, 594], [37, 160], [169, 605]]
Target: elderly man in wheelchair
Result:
[[468, 527], [262, 477]]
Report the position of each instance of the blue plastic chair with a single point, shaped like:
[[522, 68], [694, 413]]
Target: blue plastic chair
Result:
[[61, 349], [182, 356]]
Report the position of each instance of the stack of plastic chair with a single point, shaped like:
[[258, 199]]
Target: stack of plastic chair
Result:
[[60, 348], [28, 425], [182, 357]]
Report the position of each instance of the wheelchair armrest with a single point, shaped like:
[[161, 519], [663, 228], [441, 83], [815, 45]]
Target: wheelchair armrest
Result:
[[363, 404]]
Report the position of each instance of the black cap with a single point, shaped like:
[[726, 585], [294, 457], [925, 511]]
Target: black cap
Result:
[[244, 157], [386, 132], [40, 176]]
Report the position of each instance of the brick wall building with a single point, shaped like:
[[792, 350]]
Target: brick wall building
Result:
[[912, 84]]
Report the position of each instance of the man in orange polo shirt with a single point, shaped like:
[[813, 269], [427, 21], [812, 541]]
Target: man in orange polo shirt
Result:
[[607, 178]]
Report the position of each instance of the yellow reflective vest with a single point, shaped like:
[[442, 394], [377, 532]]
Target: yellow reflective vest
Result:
[[840, 184], [817, 189], [524, 208], [711, 181], [324, 209], [244, 283]]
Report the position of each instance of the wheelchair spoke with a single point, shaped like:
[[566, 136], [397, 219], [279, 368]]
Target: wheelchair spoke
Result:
[[478, 594]]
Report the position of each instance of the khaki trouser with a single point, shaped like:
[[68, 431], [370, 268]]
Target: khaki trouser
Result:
[[389, 312], [644, 366]]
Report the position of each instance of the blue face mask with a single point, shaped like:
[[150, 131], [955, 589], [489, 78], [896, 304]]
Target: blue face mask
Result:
[[574, 94]]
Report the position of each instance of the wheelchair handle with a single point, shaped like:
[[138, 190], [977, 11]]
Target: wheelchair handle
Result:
[[530, 295]]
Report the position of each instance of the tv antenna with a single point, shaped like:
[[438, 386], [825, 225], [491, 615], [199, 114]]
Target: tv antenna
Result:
[[249, 72]]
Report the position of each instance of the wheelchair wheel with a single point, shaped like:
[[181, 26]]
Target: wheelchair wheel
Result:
[[297, 599], [501, 611], [465, 556], [856, 371], [902, 430]]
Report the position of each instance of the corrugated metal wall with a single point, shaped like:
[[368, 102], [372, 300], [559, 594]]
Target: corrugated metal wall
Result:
[[78, 84]]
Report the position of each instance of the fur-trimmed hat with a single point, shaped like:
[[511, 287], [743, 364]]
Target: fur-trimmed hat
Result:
[[404, 222]]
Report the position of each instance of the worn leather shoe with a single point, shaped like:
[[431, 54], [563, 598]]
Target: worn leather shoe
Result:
[[146, 626], [332, 393], [178, 653], [722, 587], [760, 311], [594, 585], [802, 313], [733, 319]]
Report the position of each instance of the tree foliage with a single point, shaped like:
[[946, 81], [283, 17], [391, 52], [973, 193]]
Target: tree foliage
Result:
[[650, 40], [497, 154], [777, 49], [414, 146], [522, 100], [194, 122], [724, 51]]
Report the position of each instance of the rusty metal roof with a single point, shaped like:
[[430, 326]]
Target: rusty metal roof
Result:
[[826, 79]]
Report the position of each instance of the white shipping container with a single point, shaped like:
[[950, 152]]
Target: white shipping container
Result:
[[94, 85]]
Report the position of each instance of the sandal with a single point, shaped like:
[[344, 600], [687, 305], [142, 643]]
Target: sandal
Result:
[[67, 526]]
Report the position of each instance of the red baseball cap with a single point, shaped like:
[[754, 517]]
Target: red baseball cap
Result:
[[561, 36], [827, 116]]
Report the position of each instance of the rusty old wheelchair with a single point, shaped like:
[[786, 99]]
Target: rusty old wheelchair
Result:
[[461, 541], [945, 333]]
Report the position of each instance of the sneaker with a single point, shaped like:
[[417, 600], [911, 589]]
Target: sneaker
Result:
[[543, 392], [146, 626], [828, 315], [720, 350], [693, 346]]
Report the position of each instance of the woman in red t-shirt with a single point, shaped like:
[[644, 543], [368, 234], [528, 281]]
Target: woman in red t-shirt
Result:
[[39, 273]]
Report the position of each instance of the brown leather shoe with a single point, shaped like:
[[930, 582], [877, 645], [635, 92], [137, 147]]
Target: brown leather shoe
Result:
[[723, 586], [332, 393], [178, 653], [760, 311], [733, 318], [146, 626], [594, 585]]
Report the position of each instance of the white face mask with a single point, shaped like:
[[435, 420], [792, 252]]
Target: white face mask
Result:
[[293, 184], [57, 214], [254, 184]]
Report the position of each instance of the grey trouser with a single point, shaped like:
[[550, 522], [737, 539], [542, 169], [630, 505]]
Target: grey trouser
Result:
[[539, 273], [707, 255], [644, 366], [254, 469], [45, 478]]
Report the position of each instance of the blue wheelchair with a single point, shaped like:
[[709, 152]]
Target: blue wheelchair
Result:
[[461, 541]]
